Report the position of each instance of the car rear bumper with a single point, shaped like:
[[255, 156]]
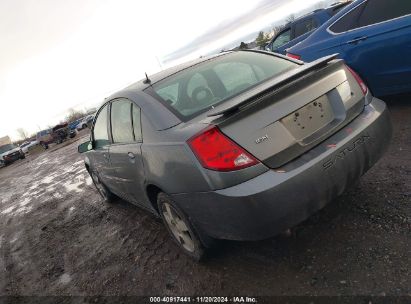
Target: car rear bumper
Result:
[[278, 199]]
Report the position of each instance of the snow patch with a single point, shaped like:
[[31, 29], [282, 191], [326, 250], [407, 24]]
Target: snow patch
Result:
[[65, 278]]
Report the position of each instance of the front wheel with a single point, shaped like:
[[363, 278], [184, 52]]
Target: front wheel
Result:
[[180, 227]]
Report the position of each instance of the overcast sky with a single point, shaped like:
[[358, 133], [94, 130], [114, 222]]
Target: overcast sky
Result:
[[58, 54]]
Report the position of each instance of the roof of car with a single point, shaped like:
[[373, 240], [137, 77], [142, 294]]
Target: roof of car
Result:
[[328, 9], [160, 117]]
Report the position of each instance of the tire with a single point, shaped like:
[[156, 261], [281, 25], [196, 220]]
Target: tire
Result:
[[44, 145], [107, 195], [23, 156], [180, 228]]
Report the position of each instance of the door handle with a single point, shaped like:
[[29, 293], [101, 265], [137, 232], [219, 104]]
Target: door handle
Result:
[[131, 155], [356, 40]]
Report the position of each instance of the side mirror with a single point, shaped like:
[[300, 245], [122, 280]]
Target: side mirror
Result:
[[84, 147]]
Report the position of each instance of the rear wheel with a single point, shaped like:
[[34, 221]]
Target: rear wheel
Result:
[[180, 227], [106, 194], [44, 145]]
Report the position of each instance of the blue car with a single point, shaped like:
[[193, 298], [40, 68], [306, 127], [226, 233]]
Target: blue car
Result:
[[73, 125], [299, 29], [373, 37]]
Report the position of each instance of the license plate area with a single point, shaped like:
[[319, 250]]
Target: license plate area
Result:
[[309, 119]]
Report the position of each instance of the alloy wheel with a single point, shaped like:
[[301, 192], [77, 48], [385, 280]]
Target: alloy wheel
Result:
[[178, 227]]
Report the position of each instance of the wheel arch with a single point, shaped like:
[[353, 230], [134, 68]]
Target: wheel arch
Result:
[[152, 192]]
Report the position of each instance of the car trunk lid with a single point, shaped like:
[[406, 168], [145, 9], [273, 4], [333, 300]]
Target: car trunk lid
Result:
[[282, 118]]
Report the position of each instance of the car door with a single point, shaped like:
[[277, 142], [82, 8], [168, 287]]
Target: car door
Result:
[[125, 150], [99, 156], [377, 45]]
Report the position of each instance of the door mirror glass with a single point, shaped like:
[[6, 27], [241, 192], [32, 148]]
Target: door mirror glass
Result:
[[84, 147]]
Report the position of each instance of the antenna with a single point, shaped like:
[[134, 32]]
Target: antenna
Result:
[[147, 80]]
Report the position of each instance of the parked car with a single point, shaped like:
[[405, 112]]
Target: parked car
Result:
[[57, 135], [26, 146], [86, 122], [9, 153], [239, 146], [73, 125], [373, 37], [299, 29]]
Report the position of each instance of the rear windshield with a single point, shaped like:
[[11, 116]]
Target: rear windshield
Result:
[[203, 86], [6, 148]]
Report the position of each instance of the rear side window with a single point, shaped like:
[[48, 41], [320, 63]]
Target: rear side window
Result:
[[382, 10], [305, 26], [372, 12], [212, 82], [282, 39], [348, 21], [100, 134], [121, 124]]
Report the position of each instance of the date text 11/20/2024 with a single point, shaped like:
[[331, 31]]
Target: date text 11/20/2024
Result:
[[239, 299]]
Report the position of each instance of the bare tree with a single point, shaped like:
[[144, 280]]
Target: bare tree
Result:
[[290, 18], [320, 5], [23, 134], [73, 115], [243, 46], [277, 29], [262, 39]]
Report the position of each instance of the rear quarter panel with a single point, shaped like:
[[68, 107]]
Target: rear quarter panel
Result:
[[170, 164]]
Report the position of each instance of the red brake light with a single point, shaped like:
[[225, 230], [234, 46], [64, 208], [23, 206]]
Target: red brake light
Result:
[[298, 57], [216, 151], [357, 77]]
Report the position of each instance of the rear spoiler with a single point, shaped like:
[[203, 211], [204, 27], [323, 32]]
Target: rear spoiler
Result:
[[240, 100]]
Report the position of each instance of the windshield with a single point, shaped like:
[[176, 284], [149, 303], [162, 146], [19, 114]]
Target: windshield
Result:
[[203, 86], [6, 148]]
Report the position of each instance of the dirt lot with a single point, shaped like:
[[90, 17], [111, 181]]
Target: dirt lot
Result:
[[58, 238]]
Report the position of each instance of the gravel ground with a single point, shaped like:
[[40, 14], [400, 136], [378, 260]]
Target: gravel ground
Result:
[[58, 238]]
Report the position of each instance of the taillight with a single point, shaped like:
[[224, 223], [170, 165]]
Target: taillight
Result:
[[360, 82], [216, 151], [298, 57]]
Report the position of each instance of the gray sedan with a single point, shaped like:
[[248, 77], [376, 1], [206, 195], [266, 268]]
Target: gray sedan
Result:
[[238, 146]]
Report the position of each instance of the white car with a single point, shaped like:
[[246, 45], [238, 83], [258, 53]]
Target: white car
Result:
[[85, 122], [27, 145]]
